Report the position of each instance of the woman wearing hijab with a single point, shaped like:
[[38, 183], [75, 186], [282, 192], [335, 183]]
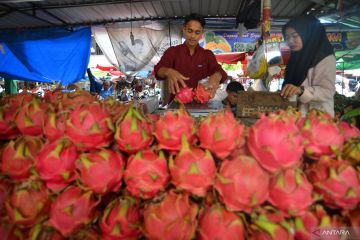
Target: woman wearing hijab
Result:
[[311, 70]]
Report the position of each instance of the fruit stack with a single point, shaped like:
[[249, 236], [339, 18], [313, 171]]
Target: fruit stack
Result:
[[72, 167]]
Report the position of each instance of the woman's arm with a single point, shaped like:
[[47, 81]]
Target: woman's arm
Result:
[[322, 82]]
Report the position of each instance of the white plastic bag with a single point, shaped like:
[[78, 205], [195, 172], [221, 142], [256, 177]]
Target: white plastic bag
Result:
[[257, 66]]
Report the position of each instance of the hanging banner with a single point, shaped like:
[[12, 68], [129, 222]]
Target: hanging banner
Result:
[[139, 48], [230, 41]]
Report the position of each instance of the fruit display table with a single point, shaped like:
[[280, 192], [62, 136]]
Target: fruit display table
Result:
[[199, 109]]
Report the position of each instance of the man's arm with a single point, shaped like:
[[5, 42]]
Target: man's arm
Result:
[[217, 74], [164, 70]]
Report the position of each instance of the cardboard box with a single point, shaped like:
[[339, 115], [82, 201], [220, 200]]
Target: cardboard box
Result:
[[251, 104]]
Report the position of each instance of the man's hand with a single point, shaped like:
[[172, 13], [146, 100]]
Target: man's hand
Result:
[[175, 79], [290, 90], [214, 83]]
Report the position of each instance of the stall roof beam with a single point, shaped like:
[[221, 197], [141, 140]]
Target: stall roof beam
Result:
[[28, 14]]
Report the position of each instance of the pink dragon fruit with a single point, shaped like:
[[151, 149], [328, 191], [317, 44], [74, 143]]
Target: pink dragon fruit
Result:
[[71, 210], [275, 142], [90, 127], [44, 232], [218, 223], [101, 164], [146, 174], [221, 134], [173, 218], [351, 150], [305, 224], [322, 136], [8, 128], [193, 169], [115, 108], [5, 190], [242, 184], [121, 220], [348, 130], [337, 181], [19, 155], [56, 164], [185, 95], [76, 98], [30, 118], [26, 203], [54, 128], [290, 191], [267, 224], [87, 234], [170, 128], [133, 132], [202, 95]]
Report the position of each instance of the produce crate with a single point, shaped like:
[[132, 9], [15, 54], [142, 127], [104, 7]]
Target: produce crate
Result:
[[251, 104]]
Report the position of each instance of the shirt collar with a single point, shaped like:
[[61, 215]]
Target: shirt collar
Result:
[[197, 48]]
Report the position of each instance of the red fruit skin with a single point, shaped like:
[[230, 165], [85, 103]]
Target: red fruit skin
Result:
[[185, 95], [71, 210], [202, 95]]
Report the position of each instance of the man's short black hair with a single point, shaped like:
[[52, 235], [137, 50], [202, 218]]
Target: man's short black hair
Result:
[[195, 17], [234, 87]]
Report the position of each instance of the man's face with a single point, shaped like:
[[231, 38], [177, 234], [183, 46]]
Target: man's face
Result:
[[232, 96], [193, 32], [106, 85]]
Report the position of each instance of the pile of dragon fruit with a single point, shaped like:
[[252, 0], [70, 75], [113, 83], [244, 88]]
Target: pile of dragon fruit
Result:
[[73, 167]]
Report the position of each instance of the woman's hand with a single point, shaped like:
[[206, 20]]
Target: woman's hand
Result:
[[290, 90]]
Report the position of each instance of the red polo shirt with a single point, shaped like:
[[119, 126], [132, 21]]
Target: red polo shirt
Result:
[[200, 65]]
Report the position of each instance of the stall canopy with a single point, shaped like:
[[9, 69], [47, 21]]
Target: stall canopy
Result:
[[45, 55]]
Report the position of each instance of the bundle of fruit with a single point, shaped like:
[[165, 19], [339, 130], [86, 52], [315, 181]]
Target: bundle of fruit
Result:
[[76, 168], [200, 94]]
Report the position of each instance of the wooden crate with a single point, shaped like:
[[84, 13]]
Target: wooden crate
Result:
[[251, 104]]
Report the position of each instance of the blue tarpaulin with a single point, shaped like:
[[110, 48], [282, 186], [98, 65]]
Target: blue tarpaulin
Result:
[[45, 55]]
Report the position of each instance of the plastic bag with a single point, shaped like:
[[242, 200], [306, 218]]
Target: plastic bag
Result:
[[257, 66]]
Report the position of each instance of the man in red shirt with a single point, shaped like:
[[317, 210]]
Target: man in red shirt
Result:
[[186, 64]]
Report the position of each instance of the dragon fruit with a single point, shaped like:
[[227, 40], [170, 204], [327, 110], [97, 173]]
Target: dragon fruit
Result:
[[71, 210], [8, 128], [337, 181], [19, 155], [101, 164], [351, 150], [133, 132], [193, 169], [275, 142], [56, 164], [44, 232], [30, 118], [121, 220], [146, 174], [115, 108], [5, 190], [172, 218], [26, 203], [54, 128], [322, 136], [269, 224], [221, 134], [242, 184], [290, 191], [90, 127], [218, 223], [185, 95], [76, 98], [202, 95], [348, 130], [305, 224], [170, 128]]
